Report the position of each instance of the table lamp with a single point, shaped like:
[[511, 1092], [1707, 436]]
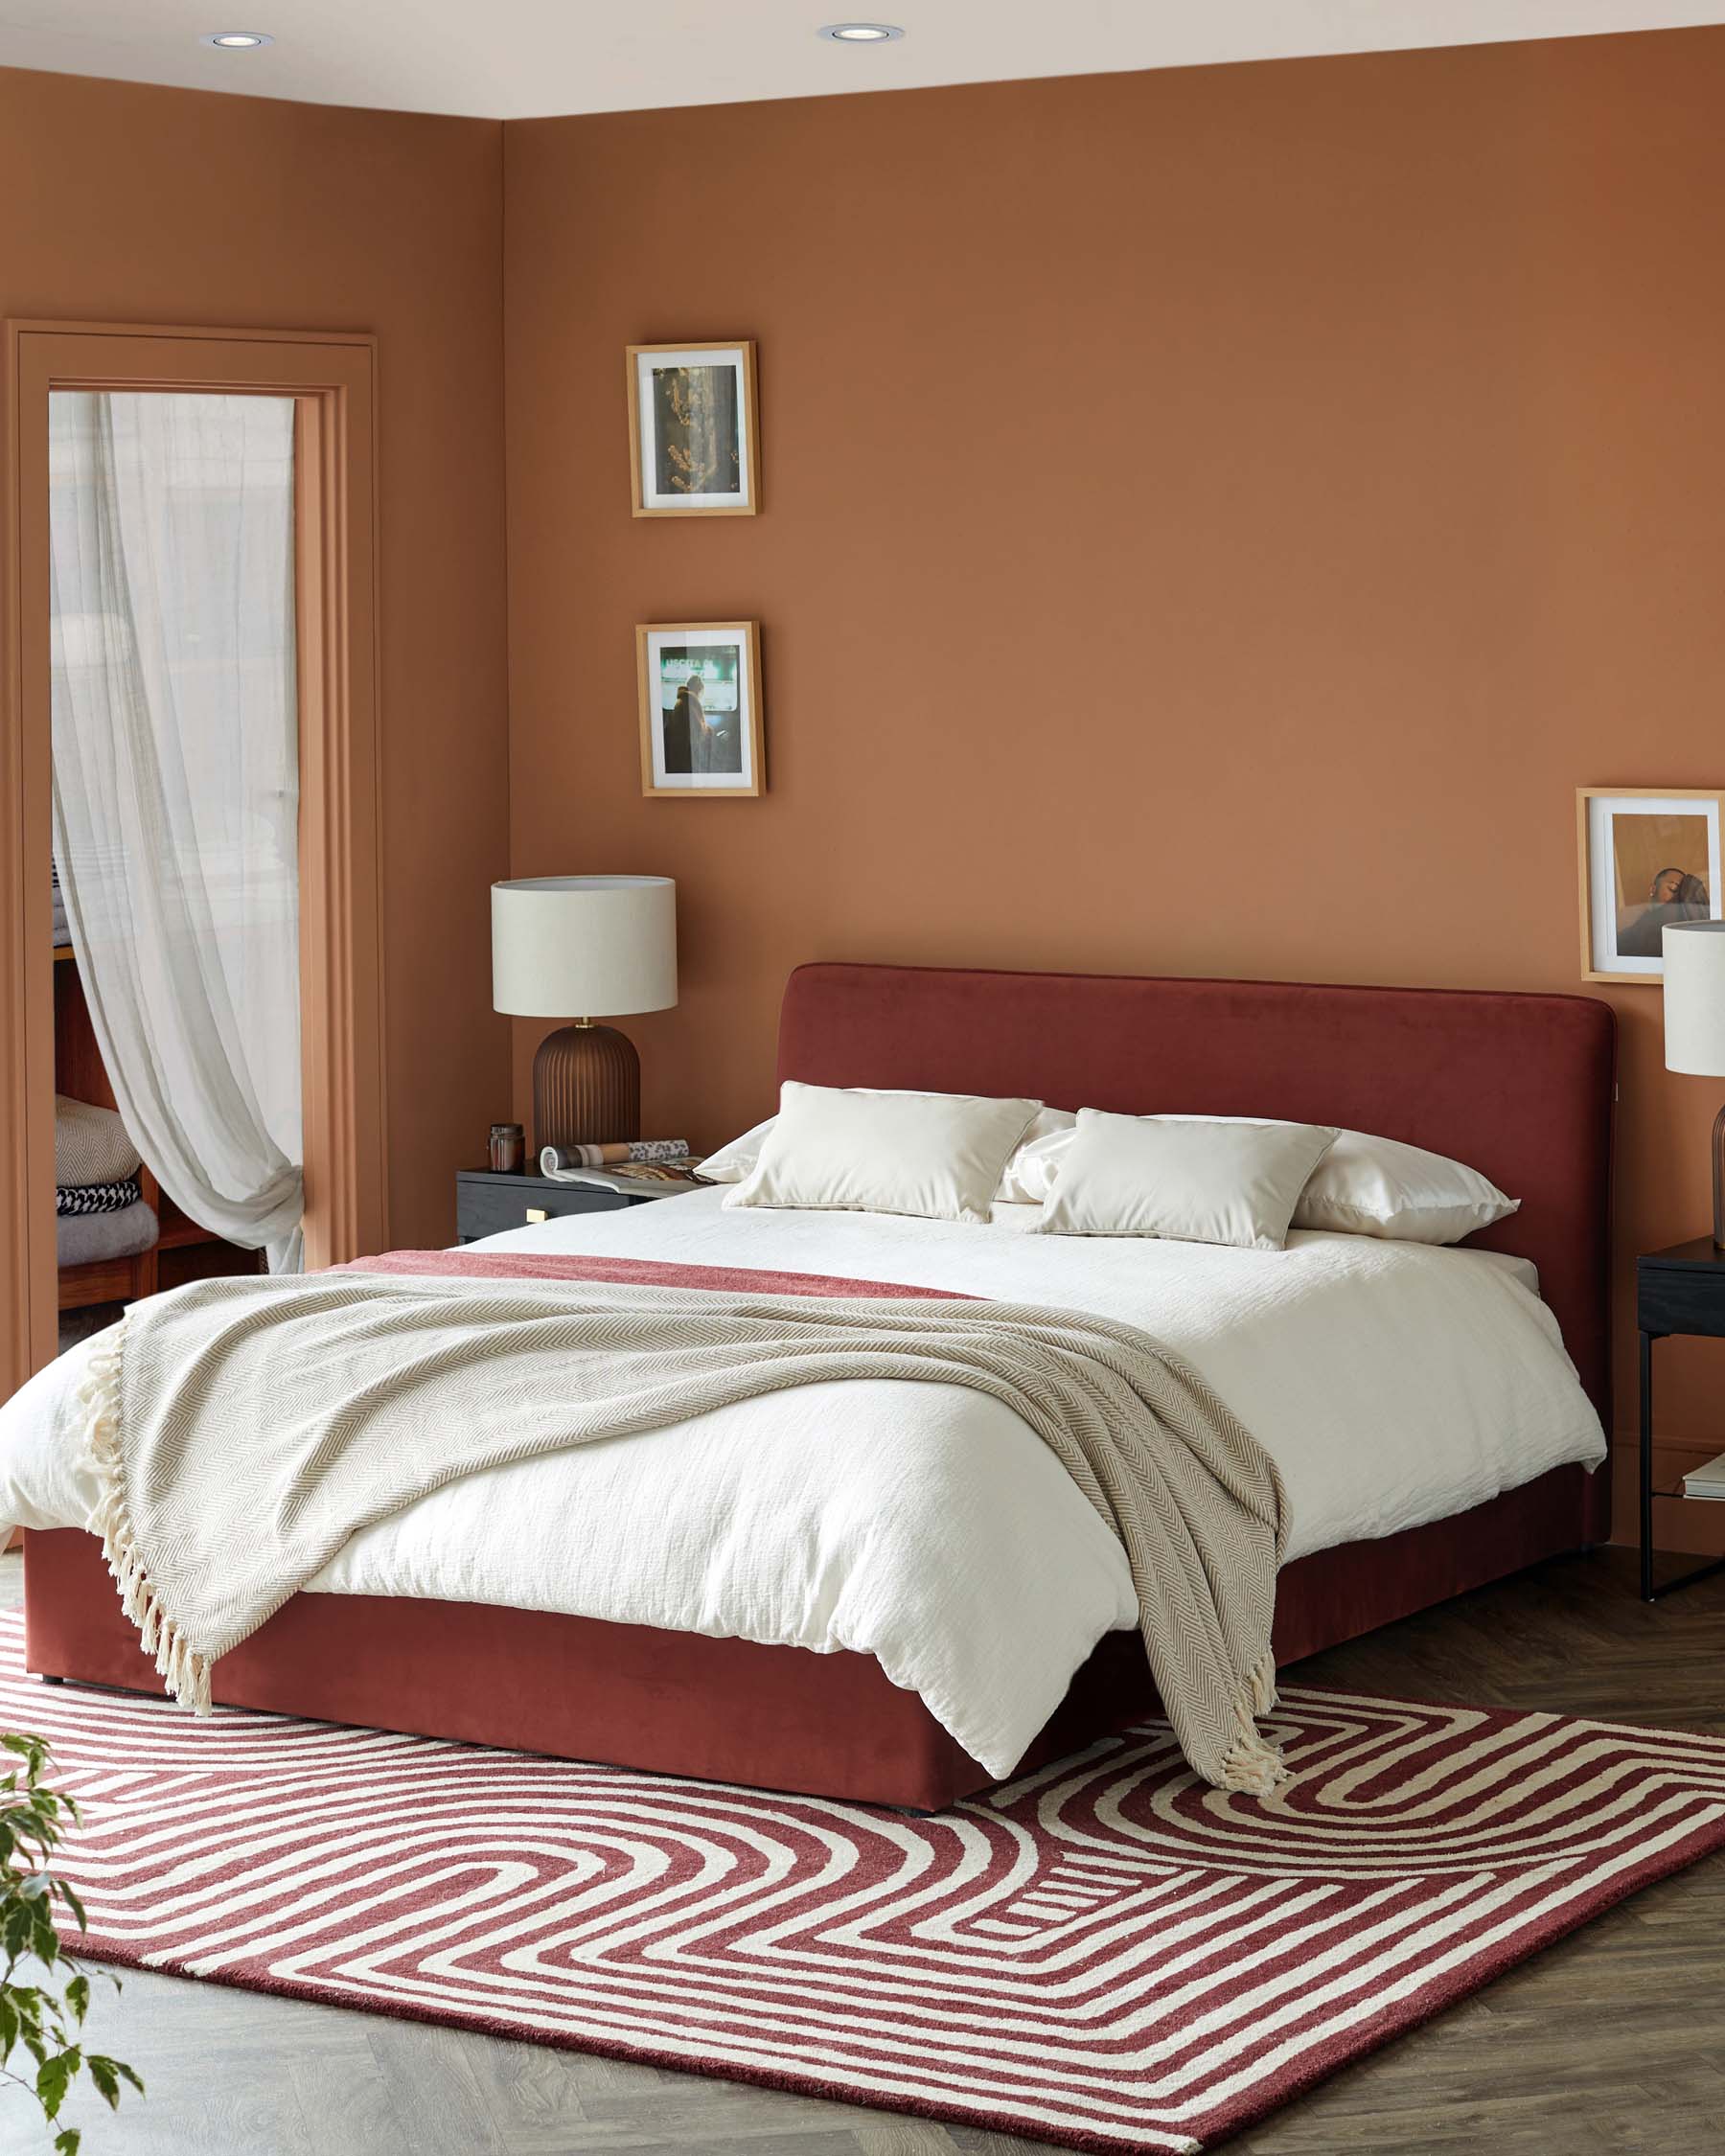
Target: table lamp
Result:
[[592, 943], [1694, 1025]]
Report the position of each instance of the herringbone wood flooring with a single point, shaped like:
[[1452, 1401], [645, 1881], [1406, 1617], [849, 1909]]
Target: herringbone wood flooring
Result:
[[1611, 2041]]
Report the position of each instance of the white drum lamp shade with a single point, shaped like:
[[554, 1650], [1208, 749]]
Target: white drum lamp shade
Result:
[[581, 947], [584, 946], [1694, 998], [1694, 1024]]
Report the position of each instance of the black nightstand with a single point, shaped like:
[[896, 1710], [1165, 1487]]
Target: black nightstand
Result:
[[487, 1203], [1681, 1289]]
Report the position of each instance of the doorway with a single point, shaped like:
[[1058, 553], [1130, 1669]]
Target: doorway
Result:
[[323, 387]]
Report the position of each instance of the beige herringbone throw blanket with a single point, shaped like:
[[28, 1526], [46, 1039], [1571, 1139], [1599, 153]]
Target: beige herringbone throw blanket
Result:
[[242, 1431]]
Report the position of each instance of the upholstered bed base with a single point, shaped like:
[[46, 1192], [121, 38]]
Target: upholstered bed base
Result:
[[724, 1710], [1520, 1087]]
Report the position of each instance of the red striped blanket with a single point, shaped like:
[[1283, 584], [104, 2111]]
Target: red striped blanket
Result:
[[729, 1279]]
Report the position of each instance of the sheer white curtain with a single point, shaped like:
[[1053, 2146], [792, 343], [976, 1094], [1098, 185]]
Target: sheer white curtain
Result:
[[177, 786]]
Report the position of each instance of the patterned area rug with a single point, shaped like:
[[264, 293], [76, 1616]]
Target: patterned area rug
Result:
[[1106, 1955]]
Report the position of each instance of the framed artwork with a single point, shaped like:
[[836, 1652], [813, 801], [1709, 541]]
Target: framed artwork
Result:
[[1648, 855], [694, 436], [701, 708]]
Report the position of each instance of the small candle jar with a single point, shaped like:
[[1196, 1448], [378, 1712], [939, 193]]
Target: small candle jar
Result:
[[508, 1146]]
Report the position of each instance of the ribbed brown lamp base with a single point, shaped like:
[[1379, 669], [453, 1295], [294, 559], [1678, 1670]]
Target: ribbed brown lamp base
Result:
[[1718, 1168], [586, 1087]]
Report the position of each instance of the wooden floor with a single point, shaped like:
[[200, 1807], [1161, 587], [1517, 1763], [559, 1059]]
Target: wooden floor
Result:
[[1610, 2040]]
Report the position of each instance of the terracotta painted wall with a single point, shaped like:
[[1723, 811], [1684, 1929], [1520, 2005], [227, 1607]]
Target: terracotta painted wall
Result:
[[1214, 520], [124, 204]]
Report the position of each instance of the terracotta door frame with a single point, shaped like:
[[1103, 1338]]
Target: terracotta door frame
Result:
[[333, 381]]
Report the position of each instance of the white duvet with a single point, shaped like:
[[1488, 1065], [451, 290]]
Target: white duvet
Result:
[[926, 1525]]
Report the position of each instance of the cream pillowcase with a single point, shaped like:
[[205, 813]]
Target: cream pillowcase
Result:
[[1364, 1185], [1378, 1186], [1027, 1179], [939, 1156], [737, 1160], [1196, 1181], [1023, 1183]]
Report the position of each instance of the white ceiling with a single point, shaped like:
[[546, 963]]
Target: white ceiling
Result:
[[520, 59]]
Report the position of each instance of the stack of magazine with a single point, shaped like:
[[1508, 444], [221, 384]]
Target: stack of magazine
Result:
[[633, 1168], [1708, 1482]]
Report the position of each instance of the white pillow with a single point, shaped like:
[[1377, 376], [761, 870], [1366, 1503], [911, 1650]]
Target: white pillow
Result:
[[737, 1160], [1028, 1181], [940, 1155], [1188, 1181], [1378, 1186], [1364, 1185]]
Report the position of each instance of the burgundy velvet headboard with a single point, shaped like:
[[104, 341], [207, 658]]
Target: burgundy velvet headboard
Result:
[[1519, 1087]]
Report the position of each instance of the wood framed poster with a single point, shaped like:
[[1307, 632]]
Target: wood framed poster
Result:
[[1648, 855], [693, 429], [699, 686]]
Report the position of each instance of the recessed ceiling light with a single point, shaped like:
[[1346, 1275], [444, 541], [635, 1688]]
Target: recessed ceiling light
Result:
[[861, 33], [237, 40]]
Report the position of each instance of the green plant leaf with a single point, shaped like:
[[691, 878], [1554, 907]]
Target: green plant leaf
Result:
[[53, 2077], [44, 1939], [108, 2074], [40, 2020], [24, 1821]]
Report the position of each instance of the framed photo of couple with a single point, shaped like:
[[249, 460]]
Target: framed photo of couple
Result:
[[699, 685], [1648, 855]]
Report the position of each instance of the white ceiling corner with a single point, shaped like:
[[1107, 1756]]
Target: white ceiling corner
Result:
[[525, 59]]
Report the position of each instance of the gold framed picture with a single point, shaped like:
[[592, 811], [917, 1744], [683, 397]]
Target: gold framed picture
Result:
[[1648, 855], [694, 430], [699, 685]]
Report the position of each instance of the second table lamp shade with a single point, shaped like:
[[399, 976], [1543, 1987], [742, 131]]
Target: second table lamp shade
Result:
[[1694, 1024], [581, 947]]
